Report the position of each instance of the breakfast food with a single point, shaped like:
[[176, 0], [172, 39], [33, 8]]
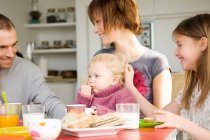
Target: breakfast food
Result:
[[109, 119], [71, 117], [89, 121], [149, 119], [83, 122]]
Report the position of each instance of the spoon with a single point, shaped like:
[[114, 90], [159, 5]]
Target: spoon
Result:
[[3, 95]]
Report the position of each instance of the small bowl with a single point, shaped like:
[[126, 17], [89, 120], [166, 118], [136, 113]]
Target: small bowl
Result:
[[69, 74], [53, 72], [44, 129]]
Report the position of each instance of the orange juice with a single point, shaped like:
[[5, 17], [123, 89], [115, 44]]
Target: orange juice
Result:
[[8, 120]]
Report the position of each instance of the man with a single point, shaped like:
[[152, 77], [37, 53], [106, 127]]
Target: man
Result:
[[20, 79]]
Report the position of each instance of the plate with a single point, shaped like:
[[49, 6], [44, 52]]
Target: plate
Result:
[[15, 132], [148, 124], [90, 132]]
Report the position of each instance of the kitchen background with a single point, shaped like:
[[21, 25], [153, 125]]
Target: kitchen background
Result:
[[67, 46]]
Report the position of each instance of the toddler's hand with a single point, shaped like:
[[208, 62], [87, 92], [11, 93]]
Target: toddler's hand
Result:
[[86, 90]]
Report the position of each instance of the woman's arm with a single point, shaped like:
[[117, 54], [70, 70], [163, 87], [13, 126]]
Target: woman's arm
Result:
[[146, 107], [162, 89]]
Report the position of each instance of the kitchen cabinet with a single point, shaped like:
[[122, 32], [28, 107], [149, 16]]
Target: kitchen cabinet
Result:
[[58, 57]]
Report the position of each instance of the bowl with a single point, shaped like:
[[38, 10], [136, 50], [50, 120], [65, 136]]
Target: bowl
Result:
[[44, 129], [53, 72], [69, 74]]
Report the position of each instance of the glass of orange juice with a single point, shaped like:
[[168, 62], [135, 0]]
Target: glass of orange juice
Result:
[[9, 114]]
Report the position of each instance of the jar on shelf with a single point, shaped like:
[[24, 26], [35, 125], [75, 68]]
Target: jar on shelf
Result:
[[70, 14], [51, 15], [57, 44], [69, 44], [61, 15], [45, 44]]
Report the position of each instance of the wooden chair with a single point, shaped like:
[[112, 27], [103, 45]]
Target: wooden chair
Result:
[[177, 83]]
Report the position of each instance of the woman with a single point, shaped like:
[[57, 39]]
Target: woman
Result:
[[117, 22]]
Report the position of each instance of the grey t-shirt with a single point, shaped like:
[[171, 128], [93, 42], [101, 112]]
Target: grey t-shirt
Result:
[[24, 83], [146, 68]]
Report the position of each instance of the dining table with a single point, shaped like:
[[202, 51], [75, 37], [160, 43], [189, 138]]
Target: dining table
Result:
[[143, 133], [135, 134]]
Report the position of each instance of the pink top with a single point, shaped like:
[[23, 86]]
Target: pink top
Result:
[[106, 100]]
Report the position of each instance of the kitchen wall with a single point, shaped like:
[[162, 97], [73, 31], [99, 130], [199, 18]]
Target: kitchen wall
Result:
[[166, 14], [17, 11]]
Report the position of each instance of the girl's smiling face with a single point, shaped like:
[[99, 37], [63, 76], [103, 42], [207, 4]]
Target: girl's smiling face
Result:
[[188, 51]]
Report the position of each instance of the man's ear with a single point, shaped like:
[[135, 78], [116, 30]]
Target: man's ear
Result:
[[116, 80], [204, 43]]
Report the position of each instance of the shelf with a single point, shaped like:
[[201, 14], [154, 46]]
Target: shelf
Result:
[[58, 79], [62, 50], [44, 25]]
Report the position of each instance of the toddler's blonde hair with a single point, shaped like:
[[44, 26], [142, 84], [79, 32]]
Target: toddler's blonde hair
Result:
[[113, 62]]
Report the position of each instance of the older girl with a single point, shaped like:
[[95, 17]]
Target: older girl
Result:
[[192, 37]]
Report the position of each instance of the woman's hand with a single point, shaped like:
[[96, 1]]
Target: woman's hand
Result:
[[169, 119], [86, 90], [129, 74]]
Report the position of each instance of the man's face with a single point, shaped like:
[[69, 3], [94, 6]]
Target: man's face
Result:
[[8, 42]]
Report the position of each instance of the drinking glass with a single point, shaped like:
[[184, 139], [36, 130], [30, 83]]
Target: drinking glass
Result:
[[130, 112], [32, 112], [78, 108], [9, 114]]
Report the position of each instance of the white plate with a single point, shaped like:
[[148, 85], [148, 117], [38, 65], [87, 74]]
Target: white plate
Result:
[[89, 132]]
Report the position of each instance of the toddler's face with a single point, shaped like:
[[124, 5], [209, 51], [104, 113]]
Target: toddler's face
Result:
[[99, 77]]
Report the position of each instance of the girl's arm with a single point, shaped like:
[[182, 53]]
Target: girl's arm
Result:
[[173, 120], [162, 89], [168, 117]]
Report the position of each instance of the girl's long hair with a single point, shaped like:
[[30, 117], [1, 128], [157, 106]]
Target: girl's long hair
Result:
[[196, 27]]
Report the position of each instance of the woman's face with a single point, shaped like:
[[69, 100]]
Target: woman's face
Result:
[[188, 51], [106, 37]]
